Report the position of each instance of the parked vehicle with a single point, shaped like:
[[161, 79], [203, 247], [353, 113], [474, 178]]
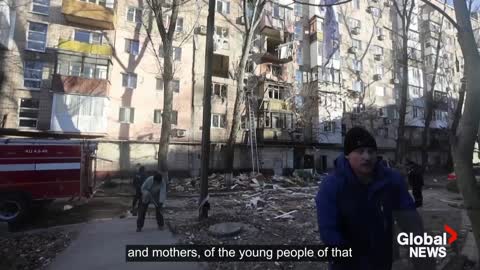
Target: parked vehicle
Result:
[[36, 171]]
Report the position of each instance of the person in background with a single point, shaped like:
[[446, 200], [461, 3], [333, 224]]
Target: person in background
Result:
[[138, 180], [415, 179], [154, 190], [358, 202]]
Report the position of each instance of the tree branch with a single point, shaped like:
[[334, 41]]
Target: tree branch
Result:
[[439, 10], [320, 5]]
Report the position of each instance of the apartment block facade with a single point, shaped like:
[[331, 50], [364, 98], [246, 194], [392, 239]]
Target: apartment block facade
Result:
[[93, 69]]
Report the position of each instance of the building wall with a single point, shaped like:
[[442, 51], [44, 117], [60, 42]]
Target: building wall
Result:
[[125, 143]]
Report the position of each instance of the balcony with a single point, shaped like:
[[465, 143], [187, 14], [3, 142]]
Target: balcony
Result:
[[89, 14], [276, 20], [85, 48], [275, 53], [274, 105], [80, 85]]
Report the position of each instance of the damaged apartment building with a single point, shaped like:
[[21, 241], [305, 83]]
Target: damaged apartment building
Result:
[[88, 69]]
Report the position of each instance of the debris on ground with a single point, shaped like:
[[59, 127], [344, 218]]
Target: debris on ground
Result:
[[31, 251]]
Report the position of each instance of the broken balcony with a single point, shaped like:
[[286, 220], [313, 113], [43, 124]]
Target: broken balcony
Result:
[[275, 52], [100, 16], [276, 21]]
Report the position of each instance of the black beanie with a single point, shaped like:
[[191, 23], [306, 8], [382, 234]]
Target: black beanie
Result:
[[358, 137]]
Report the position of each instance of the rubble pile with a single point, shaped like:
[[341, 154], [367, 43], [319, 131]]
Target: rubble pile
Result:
[[217, 182], [32, 250]]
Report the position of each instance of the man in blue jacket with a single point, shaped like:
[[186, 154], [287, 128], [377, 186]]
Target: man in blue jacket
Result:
[[357, 203]]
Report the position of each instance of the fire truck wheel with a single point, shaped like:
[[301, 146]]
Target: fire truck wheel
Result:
[[13, 208]]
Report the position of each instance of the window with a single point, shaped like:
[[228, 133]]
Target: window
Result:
[[356, 4], [275, 92], [134, 14], [37, 36], [358, 108], [298, 9], [382, 132], [28, 113], [223, 7], [104, 3], [176, 53], [379, 70], [69, 65], [376, 12], [417, 112], [415, 92], [357, 65], [357, 86], [159, 84], [440, 97], [174, 117], [129, 80], [88, 37], [218, 121], [178, 25], [378, 31], [331, 75], [380, 91], [298, 31], [32, 74], [221, 37], [219, 90], [175, 85], [329, 126], [377, 50], [157, 116], [278, 11], [40, 6], [357, 44], [127, 115], [132, 46], [440, 115], [381, 113], [353, 23]]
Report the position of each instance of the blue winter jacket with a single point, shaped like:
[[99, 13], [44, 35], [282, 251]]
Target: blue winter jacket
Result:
[[361, 216]]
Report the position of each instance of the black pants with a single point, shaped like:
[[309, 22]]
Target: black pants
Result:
[[142, 211], [137, 199], [417, 195]]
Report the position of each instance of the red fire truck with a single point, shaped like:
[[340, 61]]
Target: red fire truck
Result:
[[33, 171]]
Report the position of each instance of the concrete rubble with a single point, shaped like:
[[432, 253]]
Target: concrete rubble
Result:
[[216, 182]]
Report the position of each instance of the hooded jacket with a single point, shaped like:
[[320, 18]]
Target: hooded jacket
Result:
[[360, 216]]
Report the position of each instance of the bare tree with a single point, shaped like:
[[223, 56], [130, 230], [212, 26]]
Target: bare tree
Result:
[[165, 14], [430, 103], [404, 12], [464, 137], [252, 14]]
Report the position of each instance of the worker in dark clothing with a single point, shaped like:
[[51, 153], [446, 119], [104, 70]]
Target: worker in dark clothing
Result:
[[154, 190], [138, 180], [357, 204], [415, 179]]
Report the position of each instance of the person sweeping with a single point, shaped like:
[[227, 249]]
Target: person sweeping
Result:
[[154, 190]]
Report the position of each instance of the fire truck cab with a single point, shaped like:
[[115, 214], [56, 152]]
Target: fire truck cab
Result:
[[34, 170]]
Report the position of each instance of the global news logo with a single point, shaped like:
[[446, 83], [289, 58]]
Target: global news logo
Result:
[[428, 246]]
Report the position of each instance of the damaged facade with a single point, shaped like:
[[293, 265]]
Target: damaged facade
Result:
[[72, 73]]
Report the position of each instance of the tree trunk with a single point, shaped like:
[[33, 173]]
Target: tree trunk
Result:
[[429, 104], [204, 205], [167, 107], [230, 148], [464, 141], [400, 150]]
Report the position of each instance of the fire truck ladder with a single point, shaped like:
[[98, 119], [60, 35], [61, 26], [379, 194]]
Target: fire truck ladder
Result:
[[253, 133]]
